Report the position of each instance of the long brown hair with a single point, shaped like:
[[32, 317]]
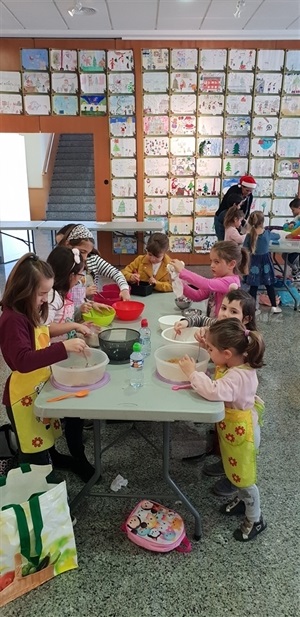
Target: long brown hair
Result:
[[233, 213], [63, 264], [22, 285], [255, 220], [231, 251], [232, 334]]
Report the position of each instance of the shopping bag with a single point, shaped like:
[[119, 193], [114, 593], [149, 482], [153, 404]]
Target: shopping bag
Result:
[[37, 538]]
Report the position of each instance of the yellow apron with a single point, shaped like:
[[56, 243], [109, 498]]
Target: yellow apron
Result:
[[34, 435], [236, 438]]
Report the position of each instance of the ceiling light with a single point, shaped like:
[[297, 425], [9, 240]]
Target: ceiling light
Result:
[[79, 9], [240, 5]]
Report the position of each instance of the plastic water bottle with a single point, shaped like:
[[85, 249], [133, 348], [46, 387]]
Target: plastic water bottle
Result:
[[145, 338], [137, 366]]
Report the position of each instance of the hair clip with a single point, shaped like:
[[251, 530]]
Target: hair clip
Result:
[[246, 332], [76, 254]]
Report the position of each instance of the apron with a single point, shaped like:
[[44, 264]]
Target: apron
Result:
[[34, 435], [236, 439]]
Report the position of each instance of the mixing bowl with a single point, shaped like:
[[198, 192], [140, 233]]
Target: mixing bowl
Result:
[[167, 321], [107, 296], [103, 318], [185, 337], [127, 310], [74, 372], [171, 370], [183, 303], [118, 342]]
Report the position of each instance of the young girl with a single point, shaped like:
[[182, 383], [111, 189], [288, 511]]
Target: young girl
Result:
[[236, 352], [261, 270], [152, 267], [25, 347], [227, 261], [232, 223]]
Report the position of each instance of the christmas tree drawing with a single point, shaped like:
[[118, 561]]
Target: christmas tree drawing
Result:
[[205, 189], [236, 148], [121, 208], [116, 148], [228, 167]]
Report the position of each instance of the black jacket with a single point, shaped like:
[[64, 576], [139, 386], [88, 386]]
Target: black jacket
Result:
[[225, 204]]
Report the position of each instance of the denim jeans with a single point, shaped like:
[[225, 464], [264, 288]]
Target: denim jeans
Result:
[[219, 226]]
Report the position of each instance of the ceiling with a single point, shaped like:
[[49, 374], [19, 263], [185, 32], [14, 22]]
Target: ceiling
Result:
[[152, 19]]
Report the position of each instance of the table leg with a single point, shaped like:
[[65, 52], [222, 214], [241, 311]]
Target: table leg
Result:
[[173, 485], [284, 276], [97, 453]]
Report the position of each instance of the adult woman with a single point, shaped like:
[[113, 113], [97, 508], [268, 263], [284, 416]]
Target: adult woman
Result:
[[243, 190]]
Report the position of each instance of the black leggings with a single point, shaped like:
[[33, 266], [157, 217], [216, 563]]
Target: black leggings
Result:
[[270, 291]]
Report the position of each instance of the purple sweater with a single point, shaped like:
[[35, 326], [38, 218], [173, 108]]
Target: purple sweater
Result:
[[218, 286]]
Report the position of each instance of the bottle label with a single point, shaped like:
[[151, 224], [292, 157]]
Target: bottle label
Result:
[[138, 364]]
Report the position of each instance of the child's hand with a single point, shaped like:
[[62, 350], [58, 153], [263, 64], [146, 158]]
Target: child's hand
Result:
[[82, 329], [86, 306], [178, 265], [97, 306], [200, 337], [180, 325], [125, 294], [152, 280], [75, 344], [134, 278], [187, 365], [91, 290]]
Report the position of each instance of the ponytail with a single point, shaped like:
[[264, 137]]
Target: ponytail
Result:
[[256, 219]]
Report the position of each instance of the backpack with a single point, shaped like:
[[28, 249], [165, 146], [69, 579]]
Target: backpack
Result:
[[8, 449], [156, 528]]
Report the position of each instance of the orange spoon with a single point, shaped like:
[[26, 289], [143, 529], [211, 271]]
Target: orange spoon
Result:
[[79, 394]]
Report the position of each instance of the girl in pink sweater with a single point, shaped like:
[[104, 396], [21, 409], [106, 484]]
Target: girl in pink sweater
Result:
[[228, 262], [232, 223]]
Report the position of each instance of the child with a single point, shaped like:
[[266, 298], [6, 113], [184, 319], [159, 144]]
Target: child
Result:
[[242, 194], [152, 267], [236, 352], [232, 223], [261, 270], [24, 343], [227, 261], [293, 258]]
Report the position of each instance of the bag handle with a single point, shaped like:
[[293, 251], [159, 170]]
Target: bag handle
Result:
[[37, 521], [185, 546]]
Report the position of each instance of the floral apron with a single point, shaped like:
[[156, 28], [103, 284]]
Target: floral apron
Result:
[[34, 435], [236, 439]]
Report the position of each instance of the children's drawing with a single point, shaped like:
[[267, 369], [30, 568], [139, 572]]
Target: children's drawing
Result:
[[121, 83], [181, 244], [210, 125], [156, 104], [292, 61], [288, 147], [156, 166], [181, 225], [183, 82], [209, 147], [122, 105], [34, 83], [291, 83], [227, 183], [182, 186], [213, 59], [290, 106], [286, 188], [182, 165], [237, 125], [182, 145], [10, 81], [122, 146], [262, 204], [11, 104], [125, 244], [235, 167], [183, 103], [204, 225], [163, 220], [156, 206], [37, 104], [92, 83], [281, 208], [156, 82], [289, 127], [64, 105], [155, 59], [181, 205], [63, 59], [209, 167], [207, 186], [212, 82], [211, 104], [262, 167], [156, 125], [125, 187], [270, 59], [266, 105], [288, 168], [123, 168], [240, 82], [241, 59], [184, 58], [266, 126], [122, 126], [268, 83], [156, 146], [239, 104], [263, 146], [120, 60], [91, 60], [34, 59], [264, 187], [93, 105], [156, 186], [206, 206], [204, 244], [64, 83], [182, 125], [238, 146], [124, 207]]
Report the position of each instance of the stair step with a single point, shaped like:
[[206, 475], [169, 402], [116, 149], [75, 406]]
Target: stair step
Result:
[[71, 207], [69, 147], [68, 199], [75, 155], [66, 190], [71, 183], [78, 163], [62, 215], [77, 136], [61, 175]]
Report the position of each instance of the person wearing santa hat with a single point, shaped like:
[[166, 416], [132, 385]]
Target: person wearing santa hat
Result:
[[244, 190]]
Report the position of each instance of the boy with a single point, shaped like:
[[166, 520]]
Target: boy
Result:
[[152, 267], [293, 258]]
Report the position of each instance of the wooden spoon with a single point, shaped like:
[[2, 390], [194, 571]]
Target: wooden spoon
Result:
[[79, 394]]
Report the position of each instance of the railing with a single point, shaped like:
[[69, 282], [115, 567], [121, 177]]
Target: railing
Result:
[[48, 155]]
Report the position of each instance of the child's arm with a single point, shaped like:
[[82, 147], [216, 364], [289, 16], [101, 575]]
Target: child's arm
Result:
[[236, 236], [131, 270], [162, 285], [57, 329], [96, 264], [225, 389], [205, 285]]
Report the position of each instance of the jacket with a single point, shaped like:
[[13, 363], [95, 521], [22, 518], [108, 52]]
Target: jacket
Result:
[[142, 266]]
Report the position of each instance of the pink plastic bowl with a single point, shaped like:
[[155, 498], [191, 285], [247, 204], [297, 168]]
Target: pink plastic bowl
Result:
[[127, 310], [107, 296]]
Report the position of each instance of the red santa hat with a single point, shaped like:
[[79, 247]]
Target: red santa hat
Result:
[[248, 181]]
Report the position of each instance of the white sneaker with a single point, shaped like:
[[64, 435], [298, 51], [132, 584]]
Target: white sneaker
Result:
[[276, 309]]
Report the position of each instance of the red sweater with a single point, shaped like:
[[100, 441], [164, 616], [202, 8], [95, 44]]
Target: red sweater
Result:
[[18, 347]]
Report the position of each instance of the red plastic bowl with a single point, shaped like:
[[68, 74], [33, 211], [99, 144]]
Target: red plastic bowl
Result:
[[107, 297], [111, 287], [127, 310]]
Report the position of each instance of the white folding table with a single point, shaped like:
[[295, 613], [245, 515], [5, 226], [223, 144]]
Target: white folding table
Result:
[[285, 248]]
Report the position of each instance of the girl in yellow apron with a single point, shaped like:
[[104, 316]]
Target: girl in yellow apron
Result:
[[25, 347], [236, 352]]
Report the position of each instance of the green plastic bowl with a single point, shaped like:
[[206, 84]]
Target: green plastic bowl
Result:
[[103, 318]]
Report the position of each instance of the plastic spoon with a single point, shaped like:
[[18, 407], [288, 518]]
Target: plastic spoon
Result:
[[185, 386], [79, 394]]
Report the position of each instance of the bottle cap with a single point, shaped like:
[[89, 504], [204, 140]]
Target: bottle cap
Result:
[[137, 347], [144, 323]]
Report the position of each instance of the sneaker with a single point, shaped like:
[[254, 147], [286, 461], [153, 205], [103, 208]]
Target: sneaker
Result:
[[248, 531], [83, 469], [214, 469], [234, 507], [224, 488], [276, 309]]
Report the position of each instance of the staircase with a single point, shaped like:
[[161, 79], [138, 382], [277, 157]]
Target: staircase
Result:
[[72, 192]]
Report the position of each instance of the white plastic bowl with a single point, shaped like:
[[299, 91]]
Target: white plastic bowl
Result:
[[167, 321], [185, 337], [72, 371], [172, 371]]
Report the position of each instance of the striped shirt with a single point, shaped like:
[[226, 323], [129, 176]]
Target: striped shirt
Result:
[[199, 321], [102, 270]]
